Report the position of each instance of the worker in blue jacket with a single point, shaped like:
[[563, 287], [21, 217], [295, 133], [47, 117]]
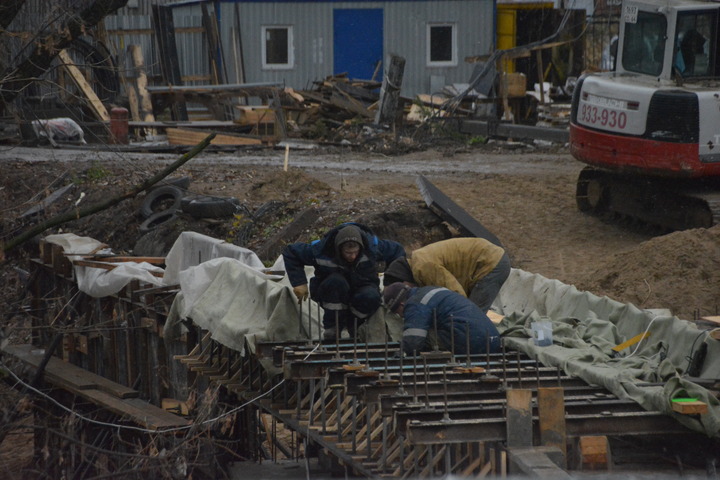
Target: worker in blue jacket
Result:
[[346, 282], [456, 318]]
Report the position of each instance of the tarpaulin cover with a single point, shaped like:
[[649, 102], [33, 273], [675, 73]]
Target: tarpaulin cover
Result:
[[225, 290], [586, 327], [98, 282]]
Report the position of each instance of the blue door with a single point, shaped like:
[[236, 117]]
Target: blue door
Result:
[[357, 41]]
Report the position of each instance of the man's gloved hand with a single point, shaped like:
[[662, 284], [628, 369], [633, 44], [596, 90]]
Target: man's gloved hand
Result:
[[301, 292]]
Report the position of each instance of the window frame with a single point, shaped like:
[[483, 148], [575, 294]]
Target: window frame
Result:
[[635, 37], [290, 48], [453, 48]]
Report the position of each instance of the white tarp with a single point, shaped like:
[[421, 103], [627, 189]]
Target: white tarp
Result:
[[98, 282]]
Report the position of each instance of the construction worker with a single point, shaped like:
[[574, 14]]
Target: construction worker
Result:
[[458, 321], [473, 267], [346, 282]]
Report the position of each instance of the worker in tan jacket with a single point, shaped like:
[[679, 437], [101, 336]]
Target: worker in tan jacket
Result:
[[473, 267]]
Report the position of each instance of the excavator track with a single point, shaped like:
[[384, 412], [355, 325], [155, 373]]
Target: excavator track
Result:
[[672, 204]]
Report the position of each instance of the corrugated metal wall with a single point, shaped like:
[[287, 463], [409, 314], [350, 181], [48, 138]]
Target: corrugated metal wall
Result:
[[405, 30]]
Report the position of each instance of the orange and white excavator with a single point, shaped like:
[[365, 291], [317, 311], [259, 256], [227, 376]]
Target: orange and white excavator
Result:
[[649, 130]]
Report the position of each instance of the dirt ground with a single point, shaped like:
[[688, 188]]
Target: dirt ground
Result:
[[523, 194]]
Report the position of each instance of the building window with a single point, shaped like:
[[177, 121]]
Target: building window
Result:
[[277, 46], [442, 45]]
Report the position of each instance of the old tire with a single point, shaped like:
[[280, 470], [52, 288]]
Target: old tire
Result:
[[157, 219], [204, 206], [165, 198]]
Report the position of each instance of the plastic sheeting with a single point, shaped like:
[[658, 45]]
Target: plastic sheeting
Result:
[[586, 328], [98, 282]]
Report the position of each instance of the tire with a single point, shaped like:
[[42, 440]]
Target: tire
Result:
[[203, 206], [157, 219], [159, 199]]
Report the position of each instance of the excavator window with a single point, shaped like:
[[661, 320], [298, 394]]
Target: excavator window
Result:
[[644, 45], [695, 39]]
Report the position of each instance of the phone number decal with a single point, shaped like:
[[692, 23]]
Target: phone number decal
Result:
[[603, 117]]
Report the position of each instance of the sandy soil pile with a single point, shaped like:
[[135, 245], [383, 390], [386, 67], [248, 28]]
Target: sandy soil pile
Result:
[[679, 271]]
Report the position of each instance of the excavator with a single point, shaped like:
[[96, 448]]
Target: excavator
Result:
[[649, 130]]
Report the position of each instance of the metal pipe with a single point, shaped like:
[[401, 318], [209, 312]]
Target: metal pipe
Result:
[[446, 416], [415, 396], [323, 418], [519, 367], [355, 344], [452, 337], [337, 334], [300, 313], [467, 345]]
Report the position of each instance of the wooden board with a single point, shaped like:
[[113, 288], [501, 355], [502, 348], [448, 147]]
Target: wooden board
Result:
[[690, 408], [495, 317], [68, 376], [186, 136], [145, 110], [712, 319], [96, 105], [105, 393]]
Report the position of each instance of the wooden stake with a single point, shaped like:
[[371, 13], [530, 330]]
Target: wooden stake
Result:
[[287, 157]]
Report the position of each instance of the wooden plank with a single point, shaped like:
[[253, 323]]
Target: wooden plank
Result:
[[136, 410], [390, 91], [551, 415], [694, 407], [495, 317], [519, 418], [186, 136], [95, 104], [107, 266], [121, 258], [594, 453], [66, 375], [145, 109]]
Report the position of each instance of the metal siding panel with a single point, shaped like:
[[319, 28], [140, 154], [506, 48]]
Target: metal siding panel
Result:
[[404, 34]]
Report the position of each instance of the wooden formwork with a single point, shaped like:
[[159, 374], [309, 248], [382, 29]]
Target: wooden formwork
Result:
[[364, 407]]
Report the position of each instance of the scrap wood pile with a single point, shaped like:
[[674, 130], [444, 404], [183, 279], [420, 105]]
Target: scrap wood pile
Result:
[[341, 110]]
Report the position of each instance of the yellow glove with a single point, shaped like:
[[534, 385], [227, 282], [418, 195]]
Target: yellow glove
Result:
[[301, 292]]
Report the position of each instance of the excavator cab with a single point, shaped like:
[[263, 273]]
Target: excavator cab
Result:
[[669, 40], [648, 130]]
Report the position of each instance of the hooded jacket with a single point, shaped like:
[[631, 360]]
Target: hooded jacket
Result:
[[457, 263], [324, 257]]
